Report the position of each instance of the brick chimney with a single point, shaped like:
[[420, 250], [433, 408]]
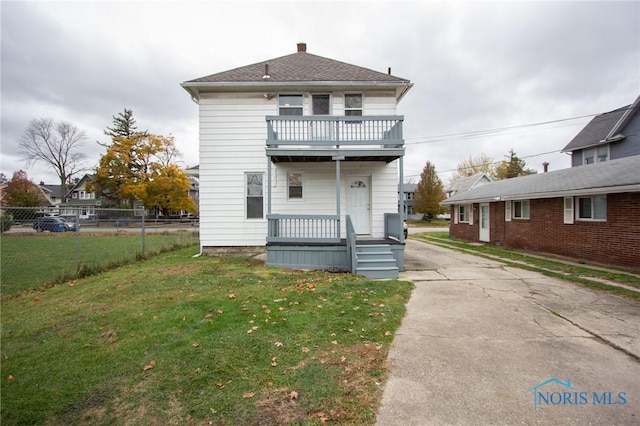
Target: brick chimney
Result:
[[545, 167], [302, 47]]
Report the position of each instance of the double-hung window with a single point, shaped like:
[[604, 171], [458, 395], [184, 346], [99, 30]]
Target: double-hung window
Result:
[[290, 104], [464, 213], [521, 209], [294, 186], [592, 208], [254, 195], [353, 105]]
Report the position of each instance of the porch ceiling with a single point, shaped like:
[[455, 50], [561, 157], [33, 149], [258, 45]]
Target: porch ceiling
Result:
[[279, 155]]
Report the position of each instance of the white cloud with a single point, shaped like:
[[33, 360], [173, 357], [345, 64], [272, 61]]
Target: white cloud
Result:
[[474, 65]]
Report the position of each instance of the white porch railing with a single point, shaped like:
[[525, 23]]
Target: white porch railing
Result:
[[329, 131], [294, 228]]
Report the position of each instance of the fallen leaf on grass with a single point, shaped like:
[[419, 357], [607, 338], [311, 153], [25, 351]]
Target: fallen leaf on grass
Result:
[[305, 350], [149, 366], [278, 344], [195, 344], [293, 395], [343, 358], [10, 378], [248, 395], [232, 296], [387, 333], [208, 315]]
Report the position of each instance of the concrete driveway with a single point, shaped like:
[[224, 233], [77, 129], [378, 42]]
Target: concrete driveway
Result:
[[483, 343]]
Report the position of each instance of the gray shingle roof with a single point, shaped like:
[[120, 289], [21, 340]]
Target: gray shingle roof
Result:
[[622, 175], [468, 182], [299, 67], [597, 130]]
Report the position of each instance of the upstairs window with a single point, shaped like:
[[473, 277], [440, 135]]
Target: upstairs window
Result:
[[290, 104], [592, 208], [595, 155], [353, 105]]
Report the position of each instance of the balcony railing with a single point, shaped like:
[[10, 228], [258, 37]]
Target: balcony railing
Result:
[[331, 131], [295, 228]]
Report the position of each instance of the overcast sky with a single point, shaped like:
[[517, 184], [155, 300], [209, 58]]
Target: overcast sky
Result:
[[475, 66]]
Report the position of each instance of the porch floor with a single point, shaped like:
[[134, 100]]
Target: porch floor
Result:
[[343, 242]]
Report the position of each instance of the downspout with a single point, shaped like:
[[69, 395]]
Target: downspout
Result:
[[338, 193]]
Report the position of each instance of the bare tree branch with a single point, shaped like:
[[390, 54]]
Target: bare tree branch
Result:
[[57, 145]]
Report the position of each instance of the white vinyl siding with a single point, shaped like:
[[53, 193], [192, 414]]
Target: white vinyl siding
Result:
[[232, 139], [233, 131], [320, 190]]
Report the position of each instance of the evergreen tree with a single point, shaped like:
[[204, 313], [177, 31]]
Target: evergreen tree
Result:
[[514, 167], [124, 125], [429, 192]]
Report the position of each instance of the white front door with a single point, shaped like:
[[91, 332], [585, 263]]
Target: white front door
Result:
[[359, 203], [484, 223]]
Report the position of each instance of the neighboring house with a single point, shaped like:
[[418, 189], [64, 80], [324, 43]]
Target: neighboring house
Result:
[[409, 190], [588, 212], [608, 136], [301, 154], [80, 201], [466, 183], [52, 192]]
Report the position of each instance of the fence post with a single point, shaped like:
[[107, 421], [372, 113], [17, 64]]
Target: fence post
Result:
[[144, 211], [77, 240]]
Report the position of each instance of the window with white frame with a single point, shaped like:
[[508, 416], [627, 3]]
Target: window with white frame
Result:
[[521, 209], [255, 195], [353, 105], [290, 104], [294, 186], [592, 208], [595, 155], [464, 213]]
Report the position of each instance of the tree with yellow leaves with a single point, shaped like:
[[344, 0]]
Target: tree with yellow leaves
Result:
[[141, 167]]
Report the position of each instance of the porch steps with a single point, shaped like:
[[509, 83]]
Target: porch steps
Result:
[[376, 261]]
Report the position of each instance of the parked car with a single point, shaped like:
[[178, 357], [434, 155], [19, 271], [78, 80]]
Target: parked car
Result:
[[53, 224]]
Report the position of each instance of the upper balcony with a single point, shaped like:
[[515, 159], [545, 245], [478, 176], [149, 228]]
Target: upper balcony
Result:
[[327, 138]]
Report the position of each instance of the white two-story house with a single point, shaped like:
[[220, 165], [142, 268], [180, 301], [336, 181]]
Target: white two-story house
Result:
[[302, 155]]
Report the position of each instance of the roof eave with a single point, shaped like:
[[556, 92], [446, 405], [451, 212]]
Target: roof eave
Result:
[[195, 88], [551, 194]]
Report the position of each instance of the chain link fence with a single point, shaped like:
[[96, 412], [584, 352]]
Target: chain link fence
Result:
[[40, 247]]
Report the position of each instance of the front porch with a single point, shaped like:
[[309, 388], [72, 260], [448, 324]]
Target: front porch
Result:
[[315, 242], [329, 241]]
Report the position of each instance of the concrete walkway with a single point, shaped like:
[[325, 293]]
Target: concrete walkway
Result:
[[478, 337]]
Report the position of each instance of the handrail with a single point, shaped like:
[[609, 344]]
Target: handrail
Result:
[[351, 246], [297, 228], [335, 130]]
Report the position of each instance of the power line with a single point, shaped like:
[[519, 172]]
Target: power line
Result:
[[486, 132]]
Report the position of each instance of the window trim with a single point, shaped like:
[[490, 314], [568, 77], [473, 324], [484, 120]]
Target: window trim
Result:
[[302, 179], [578, 210], [523, 203], [361, 109], [467, 209], [246, 196], [291, 107]]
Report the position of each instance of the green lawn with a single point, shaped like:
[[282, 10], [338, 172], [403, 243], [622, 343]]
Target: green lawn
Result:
[[183, 340], [31, 261]]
